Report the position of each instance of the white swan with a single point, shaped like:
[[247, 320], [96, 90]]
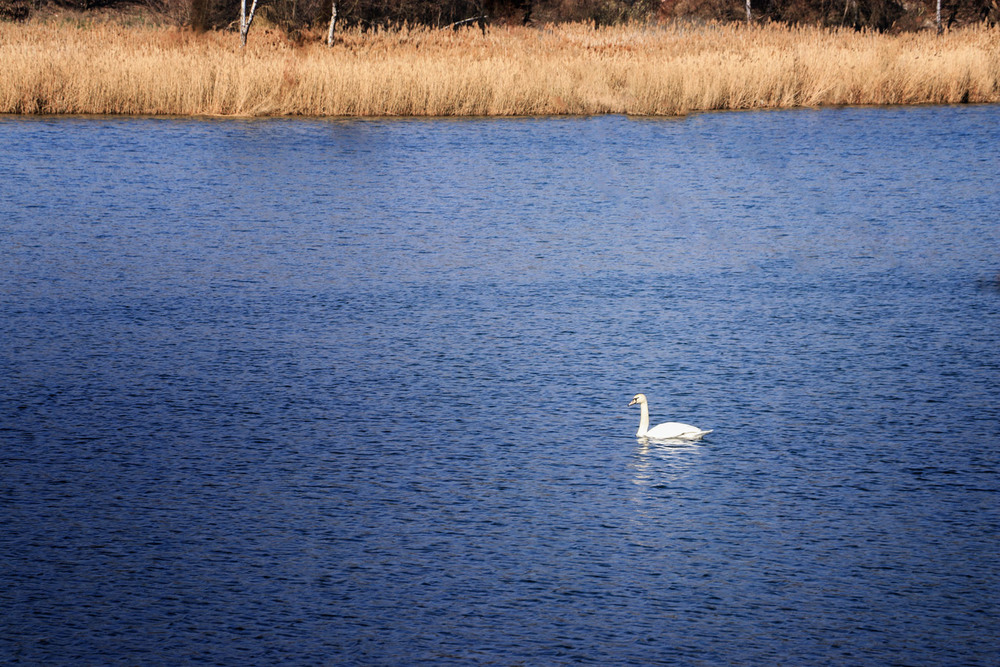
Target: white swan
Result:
[[666, 431]]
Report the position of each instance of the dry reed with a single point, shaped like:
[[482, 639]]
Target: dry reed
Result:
[[53, 68]]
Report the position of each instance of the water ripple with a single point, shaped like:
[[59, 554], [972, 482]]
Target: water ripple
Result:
[[354, 392]]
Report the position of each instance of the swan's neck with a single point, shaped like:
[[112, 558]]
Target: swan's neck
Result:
[[643, 420]]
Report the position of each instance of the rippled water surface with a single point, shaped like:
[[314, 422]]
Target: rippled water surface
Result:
[[300, 392]]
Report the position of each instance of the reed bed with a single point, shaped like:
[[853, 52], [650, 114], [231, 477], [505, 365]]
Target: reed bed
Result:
[[59, 68]]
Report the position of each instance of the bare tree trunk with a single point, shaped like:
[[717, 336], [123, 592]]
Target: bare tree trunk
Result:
[[749, 18], [939, 28], [245, 20], [199, 15], [333, 21]]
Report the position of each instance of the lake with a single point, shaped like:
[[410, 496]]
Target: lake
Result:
[[355, 392]]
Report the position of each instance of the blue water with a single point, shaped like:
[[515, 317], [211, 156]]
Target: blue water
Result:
[[337, 393]]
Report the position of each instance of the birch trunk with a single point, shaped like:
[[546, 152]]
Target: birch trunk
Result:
[[748, 12], [333, 21], [939, 28], [245, 20]]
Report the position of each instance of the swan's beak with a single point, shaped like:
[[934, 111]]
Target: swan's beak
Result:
[[632, 403]]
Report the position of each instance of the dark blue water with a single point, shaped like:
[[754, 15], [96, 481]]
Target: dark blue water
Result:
[[298, 392]]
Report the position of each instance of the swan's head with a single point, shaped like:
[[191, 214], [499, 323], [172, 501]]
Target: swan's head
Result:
[[638, 398]]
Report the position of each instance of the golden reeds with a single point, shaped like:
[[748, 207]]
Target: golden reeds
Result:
[[53, 68]]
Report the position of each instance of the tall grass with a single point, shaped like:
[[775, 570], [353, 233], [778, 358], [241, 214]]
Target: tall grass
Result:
[[59, 68]]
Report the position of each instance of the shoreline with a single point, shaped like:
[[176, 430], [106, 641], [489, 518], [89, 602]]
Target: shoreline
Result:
[[549, 116], [642, 71]]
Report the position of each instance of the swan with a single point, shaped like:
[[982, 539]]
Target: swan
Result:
[[666, 431]]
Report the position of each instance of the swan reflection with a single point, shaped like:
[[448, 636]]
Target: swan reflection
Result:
[[662, 462]]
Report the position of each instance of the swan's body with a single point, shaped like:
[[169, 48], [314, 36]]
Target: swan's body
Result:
[[665, 431]]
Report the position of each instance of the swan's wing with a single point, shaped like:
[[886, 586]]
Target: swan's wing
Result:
[[675, 430], [671, 430]]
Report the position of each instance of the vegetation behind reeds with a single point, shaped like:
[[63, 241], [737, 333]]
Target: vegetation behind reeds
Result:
[[57, 68]]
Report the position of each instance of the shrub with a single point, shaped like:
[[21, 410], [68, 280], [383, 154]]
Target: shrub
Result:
[[15, 10]]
